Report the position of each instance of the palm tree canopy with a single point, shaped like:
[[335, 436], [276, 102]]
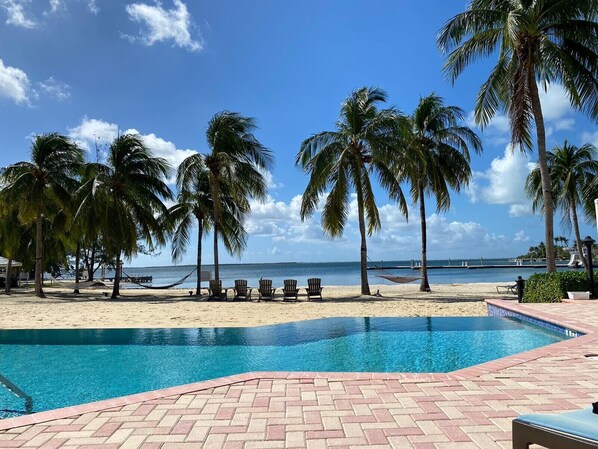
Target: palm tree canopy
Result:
[[342, 160], [572, 170], [49, 178], [542, 41], [438, 151], [128, 191], [194, 202]]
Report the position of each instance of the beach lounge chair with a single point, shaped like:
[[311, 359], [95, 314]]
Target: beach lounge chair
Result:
[[265, 290], [290, 290], [314, 288], [217, 293], [512, 289], [241, 290], [571, 430]]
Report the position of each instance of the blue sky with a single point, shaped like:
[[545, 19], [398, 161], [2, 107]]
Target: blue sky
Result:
[[88, 68]]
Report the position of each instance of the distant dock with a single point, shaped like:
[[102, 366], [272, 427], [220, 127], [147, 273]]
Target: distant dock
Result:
[[464, 267]]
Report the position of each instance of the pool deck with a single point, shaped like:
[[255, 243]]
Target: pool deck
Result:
[[469, 408]]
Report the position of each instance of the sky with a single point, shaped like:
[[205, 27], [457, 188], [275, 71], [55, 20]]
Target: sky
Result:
[[91, 69]]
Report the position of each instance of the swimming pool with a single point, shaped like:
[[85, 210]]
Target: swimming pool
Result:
[[58, 368]]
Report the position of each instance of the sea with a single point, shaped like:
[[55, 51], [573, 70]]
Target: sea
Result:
[[453, 271]]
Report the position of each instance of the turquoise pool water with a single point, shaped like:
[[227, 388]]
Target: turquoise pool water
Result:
[[58, 368]]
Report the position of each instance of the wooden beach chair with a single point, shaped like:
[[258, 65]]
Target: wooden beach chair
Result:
[[314, 288], [242, 292], [571, 430], [290, 290], [217, 293], [265, 290]]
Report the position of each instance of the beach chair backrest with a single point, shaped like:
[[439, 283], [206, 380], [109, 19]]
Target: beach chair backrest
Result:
[[216, 287], [265, 286], [290, 285], [241, 287], [314, 285]]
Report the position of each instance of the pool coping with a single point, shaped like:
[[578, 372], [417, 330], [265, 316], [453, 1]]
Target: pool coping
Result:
[[590, 335]]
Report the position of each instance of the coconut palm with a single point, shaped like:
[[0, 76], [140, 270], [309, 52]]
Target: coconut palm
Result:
[[571, 169], [236, 163], [13, 239], [43, 184], [194, 205], [536, 41], [437, 159], [126, 196], [342, 160]]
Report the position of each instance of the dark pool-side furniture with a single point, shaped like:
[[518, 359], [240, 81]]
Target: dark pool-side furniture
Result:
[[571, 430]]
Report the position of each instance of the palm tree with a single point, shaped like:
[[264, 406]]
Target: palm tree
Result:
[[44, 183], [235, 163], [437, 160], [195, 205], [13, 239], [540, 41], [343, 160], [126, 195], [571, 169]]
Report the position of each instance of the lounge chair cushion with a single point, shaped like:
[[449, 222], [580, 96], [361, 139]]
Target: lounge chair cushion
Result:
[[582, 423]]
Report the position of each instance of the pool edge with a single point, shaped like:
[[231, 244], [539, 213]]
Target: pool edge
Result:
[[590, 335]]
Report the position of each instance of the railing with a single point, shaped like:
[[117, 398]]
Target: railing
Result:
[[17, 392]]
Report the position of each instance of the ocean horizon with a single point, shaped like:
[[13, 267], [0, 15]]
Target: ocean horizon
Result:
[[339, 273]]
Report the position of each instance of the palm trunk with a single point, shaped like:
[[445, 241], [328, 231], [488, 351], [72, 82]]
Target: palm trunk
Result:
[[424, 286], [365, 286], [545, 174], [8, 275], [90, 270], [577, 234], [39, 255], [77, 261], [199, 236], [216, 263], [116, 287]]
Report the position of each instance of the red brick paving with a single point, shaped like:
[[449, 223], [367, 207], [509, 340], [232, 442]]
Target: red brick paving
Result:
[[469, 408]]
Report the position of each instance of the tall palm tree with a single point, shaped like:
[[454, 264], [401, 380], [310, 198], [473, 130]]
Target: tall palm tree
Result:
[[571, 169], [536, 41], [342, 160], [235, 163], [437, 160], [195, 205], [126, 195], [44, 183]]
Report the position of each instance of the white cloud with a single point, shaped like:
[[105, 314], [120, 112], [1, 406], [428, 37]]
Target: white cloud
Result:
[[93, 7], [504, 182], [14, 84], [92, 133], [16, 13], [55, 89], [56, 5], [590, 137], [555, 102], [164, 24], [521, 236]]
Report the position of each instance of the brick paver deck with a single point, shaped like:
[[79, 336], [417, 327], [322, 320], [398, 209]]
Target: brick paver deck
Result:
[[470, 408]]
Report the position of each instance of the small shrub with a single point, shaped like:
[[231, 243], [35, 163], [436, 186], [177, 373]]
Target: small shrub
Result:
[[553, 287]]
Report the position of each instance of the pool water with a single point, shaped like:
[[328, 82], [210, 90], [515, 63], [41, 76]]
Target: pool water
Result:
[[58, 368]]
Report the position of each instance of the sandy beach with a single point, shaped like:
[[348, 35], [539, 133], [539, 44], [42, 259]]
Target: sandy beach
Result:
[[175, 308]]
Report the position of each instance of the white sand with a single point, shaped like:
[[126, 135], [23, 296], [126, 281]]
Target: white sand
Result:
[[175, 308]]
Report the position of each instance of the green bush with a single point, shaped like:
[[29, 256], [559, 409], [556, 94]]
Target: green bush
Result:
[[552, 287]]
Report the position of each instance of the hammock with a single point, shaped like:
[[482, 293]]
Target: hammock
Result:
[[399, 279], [161, 287]]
